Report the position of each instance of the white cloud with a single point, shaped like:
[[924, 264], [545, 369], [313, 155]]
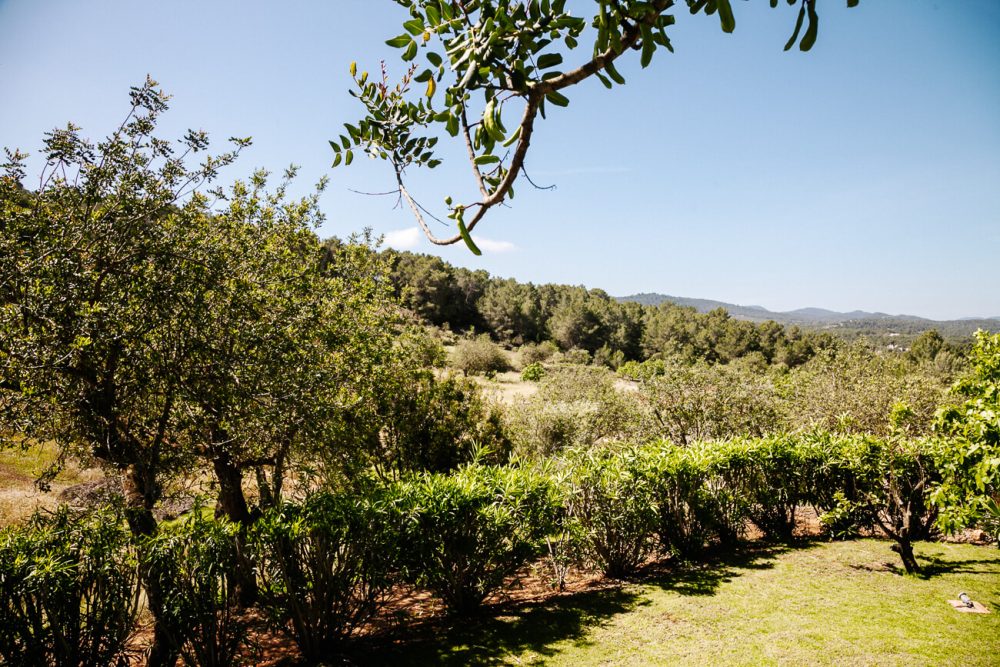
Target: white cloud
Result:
[[489, 245], [403, 239]]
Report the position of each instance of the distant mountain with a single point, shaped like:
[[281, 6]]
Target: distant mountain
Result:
[[855, 322]]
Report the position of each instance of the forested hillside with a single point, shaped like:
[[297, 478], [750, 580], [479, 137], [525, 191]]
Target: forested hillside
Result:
[[613, 330]]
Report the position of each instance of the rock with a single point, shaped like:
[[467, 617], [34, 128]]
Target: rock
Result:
[[90, 494]]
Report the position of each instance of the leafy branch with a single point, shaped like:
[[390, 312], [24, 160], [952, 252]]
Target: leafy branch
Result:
[[499, 56]]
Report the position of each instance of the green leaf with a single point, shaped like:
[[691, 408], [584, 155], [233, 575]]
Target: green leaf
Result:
[[726, 15], [549, 60], [337, 159], [411, 52], [557, 98], [810, 37], [798, 27], [348, 157], [335, 146], [486, 159], [609, 67], [414, 26], [434, 58], [399, 42], [852, 3]]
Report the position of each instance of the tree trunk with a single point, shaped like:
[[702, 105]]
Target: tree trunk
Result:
[[233, 505], [140, 490], [904, 548]]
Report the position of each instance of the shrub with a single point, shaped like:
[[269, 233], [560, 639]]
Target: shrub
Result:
[[637, 371], [575, 406], [479, 356], [767, 475], [574, 356], [465, 533], [325, 565], [196, 563], [686, 404], [69, 589], [613, 502], [436, 424], [687, 514], [422, 347], [533, 372], [532, 353]]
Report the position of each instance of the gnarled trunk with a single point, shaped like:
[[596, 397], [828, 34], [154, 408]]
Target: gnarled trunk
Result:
[[141, 491], [233, 505]]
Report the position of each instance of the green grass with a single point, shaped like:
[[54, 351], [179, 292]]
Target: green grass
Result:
[[838, 604]]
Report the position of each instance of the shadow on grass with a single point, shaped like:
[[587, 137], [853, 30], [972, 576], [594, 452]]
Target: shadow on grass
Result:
[[716, 567], [534, 627], [933, 566], [537, 627]]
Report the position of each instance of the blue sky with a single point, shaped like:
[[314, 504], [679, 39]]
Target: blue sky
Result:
[[863, 174]]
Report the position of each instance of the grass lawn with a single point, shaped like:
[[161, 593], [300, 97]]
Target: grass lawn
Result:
[[842, 604]]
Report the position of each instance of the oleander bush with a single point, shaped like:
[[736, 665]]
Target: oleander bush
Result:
[[612, 499], [326, 564], [687, 514], [196, 561], [69, 589], [464, 534]]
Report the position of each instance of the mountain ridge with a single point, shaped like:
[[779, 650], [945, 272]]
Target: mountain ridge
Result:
[[813, 316]]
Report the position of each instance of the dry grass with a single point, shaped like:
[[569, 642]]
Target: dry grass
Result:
[[19, 469]]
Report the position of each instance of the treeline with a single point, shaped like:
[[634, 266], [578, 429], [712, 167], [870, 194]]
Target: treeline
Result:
[[574, 317]]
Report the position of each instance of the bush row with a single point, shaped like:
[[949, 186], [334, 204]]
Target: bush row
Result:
[[326, 565]]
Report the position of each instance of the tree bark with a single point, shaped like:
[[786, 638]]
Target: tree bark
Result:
[[233, 505], [140, 490], [904, 548]]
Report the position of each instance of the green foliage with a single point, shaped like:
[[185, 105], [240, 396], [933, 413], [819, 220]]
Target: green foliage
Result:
[[533, 372], [574, 407], [854, 390], [69, 590], [613, 501], [646, 370], [467, 532], [437, 291], [537, 354], [688, 515], [701, 402], [846, 518], [437, 424], [422, 348], [479, 356], [325, 565], [97, 278], [195, 562], [970, 455]]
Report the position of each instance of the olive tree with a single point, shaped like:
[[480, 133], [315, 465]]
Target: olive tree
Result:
[[99, 263], [500, 60], [158, 328]]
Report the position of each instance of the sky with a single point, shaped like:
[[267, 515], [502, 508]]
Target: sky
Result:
[[864, 174]]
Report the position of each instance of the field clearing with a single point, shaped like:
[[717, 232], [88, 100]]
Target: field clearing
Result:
[[839, 603], [19, 496]]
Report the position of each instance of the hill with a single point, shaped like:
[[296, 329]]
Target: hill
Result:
[[856, 322]]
